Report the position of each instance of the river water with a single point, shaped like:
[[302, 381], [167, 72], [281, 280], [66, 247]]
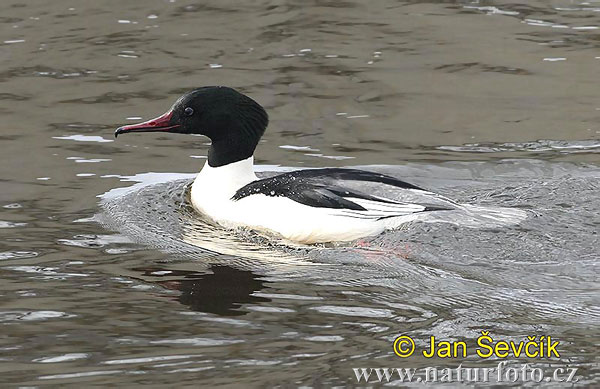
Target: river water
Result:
[[109, 277]]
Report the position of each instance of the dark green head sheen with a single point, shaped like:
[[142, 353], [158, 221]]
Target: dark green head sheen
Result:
[[233, 121]]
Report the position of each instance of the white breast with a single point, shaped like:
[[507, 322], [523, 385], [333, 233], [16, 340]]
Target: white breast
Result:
[[214, 186]]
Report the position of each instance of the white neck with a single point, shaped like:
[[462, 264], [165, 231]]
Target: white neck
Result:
[[225, 180]]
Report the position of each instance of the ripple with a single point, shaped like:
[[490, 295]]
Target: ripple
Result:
[[198, 341], [582, 146], [251, 362], [210, 318], [89, 160], [128, 54], [7, 224], [148, 359], [286, 296], [354, 311], [62, 358], [190, 369], [94, 241], [481, 67], [17, 254], [45, 272], [297, 148], [325, 338], [259, 308], [84, 138], [16, 316], [336, 157], [490, 10], [80, 374]]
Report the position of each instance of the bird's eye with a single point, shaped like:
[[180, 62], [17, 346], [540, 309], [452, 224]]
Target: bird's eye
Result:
[[189, 111]]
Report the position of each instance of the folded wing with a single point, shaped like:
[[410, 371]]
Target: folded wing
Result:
[[313, 187]]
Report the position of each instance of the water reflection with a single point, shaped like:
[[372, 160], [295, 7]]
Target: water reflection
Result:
[[221, 292]]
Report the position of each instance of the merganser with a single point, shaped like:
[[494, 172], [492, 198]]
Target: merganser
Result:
[[304, 206]]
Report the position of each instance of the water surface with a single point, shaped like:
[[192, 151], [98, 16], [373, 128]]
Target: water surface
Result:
[[493, 103]]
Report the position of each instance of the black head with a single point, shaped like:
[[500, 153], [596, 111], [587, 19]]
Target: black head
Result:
[[233, 122]]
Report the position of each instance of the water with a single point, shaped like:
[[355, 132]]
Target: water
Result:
[[110, 279]]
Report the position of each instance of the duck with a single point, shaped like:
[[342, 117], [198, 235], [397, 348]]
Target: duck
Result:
[[305, 206]]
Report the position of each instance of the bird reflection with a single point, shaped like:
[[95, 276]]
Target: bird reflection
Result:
[[221, 292]]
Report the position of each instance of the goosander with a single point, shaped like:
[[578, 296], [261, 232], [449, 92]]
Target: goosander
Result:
[[304, 206]]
